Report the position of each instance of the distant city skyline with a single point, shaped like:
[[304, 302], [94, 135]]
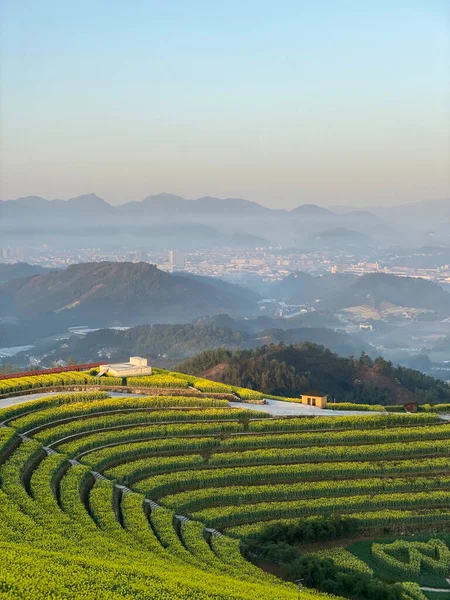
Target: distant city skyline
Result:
[[287, 103]]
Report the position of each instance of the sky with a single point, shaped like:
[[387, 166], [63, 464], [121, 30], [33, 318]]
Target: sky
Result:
[[284, 103]]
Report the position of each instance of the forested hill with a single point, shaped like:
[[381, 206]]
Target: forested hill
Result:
[[107, 293], [292, 370], [174, 342], [168, 344]]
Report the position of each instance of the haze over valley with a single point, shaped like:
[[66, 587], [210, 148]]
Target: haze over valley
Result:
[[404, 319]]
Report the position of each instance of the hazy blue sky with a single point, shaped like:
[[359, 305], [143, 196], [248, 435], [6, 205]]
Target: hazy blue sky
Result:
[[282, 102]]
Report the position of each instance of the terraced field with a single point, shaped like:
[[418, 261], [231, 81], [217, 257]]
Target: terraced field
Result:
[[148, 497], [160, 379]]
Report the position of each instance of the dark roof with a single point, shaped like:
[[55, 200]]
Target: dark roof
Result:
[[313, 393]]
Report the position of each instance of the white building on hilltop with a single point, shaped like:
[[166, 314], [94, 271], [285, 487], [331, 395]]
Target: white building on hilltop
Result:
[[134, 368]]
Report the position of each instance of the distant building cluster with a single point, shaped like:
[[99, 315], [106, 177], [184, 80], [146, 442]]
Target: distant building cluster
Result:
[[14, 253], [244, 265], [176, 262], [176, 259]]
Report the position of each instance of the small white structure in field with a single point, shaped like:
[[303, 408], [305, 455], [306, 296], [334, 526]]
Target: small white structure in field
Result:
[[134, 368]]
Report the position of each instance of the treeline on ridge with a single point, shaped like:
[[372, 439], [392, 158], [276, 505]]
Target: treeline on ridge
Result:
[[295, 369], [167, 344]]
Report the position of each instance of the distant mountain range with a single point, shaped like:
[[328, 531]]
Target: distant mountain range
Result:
[[165, 203], [157, 223], [158, 204], [209, 221], [104, 293]]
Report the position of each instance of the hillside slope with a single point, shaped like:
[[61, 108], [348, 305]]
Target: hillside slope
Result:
[[376, 288], [301, 287], [21, 269], [169, 341], [115, 292], [340, 291]]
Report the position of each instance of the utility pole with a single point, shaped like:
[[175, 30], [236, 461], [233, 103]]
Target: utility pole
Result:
[[299, 582]]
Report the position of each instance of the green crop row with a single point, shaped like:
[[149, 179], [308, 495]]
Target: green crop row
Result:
[[371, 421], [82, 409], [191, 535], [19, 384], [350, 436], [43, 481], [47, 402], [158, 485], [331, 453], [227, 549], [229, 515], [129, 472], [247, 394], [101, 510], [117, 423], [353, 406], [435, 408], [136, 523], [103, 458], [139, 452], [129, 434], [198, 499], [205, 385], [162, 521], [80, 426], [157, 381], [7, 440], [363, 519], [118, 436]]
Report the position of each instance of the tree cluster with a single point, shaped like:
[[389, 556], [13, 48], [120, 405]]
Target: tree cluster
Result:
[[295, 369], [278, 544]]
